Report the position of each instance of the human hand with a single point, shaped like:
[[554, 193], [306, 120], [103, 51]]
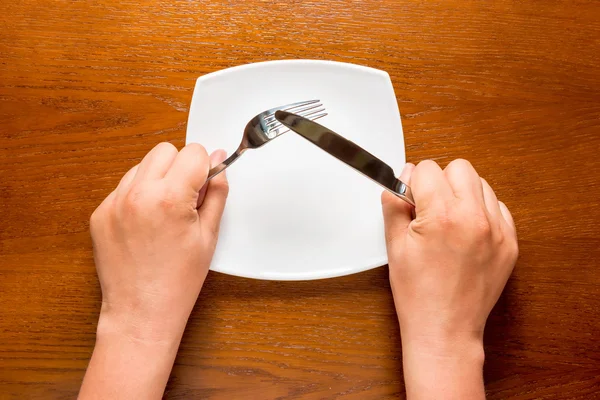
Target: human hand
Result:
[[154, 238], [448, 267]]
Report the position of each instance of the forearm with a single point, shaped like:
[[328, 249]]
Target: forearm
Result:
[[443, 369], [125, 366]]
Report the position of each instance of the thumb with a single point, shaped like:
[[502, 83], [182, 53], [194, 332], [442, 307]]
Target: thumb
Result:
[[214, 197], [216, 158], [397, 214]]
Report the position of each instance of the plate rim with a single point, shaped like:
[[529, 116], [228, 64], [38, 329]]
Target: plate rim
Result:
[[307, 61]]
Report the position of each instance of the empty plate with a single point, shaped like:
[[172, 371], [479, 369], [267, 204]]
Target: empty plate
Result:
[[294, 212]]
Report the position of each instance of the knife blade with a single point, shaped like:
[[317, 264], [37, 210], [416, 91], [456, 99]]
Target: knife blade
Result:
[[348, 152]]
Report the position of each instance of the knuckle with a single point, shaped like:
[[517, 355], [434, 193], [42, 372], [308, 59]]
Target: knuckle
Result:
[[426, 164], [166, 147], [510, 249], [483, 228], [481, 225], [459, 163], [102, 212], [197, 148], [514, 250], [95, 218], [447, 218], [142, 199], [167, 199], [446, 221], [472, 222], [423, 170], [500, 238], [135, 199], [196, 157]]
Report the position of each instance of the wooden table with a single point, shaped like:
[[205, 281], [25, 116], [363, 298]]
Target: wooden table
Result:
[[87, 88]]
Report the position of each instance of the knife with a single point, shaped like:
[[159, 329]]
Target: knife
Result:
[[348, 152]]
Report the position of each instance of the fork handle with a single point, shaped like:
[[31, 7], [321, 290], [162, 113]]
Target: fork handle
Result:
[[216, 170]]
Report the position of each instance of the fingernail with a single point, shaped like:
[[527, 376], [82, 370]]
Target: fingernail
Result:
[[217, 157], [406, 171]]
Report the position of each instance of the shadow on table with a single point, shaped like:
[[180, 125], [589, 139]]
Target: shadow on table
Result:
[[502, 339]]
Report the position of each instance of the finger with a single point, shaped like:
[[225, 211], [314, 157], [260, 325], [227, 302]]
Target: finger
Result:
[[157, 162], [464, 180], [490, 200], [190, 168], [397, 214], [126, 180], [217, 157], [429, 186], [212, 207], [507, 216]]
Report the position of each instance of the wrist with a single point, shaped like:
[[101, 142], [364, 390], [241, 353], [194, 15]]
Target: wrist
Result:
[[444, 345], [449, 367], [139, 327], [128, 362]]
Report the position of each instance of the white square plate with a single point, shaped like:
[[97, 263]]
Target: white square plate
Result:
[[294, 212]]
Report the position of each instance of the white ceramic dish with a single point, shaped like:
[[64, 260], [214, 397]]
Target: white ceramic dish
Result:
[[294, 212]]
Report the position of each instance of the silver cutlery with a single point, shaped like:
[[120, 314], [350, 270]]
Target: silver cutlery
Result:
[[348, 152], [264, 127]]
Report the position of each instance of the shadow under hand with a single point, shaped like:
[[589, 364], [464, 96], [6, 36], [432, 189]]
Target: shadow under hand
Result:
[[502, 338]]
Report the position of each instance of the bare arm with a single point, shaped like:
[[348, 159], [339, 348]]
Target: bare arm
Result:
[[448, 266], [154, 237]]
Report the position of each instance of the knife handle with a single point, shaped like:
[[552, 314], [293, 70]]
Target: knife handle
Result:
[[403, 191]]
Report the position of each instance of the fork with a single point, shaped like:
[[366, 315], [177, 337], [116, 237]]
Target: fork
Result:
[[264, 127]]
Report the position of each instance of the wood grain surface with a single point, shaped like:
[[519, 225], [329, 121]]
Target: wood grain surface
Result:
[[87, 88]]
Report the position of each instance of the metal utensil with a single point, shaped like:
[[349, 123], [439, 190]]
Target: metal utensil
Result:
[[264, 127], [348, 152]]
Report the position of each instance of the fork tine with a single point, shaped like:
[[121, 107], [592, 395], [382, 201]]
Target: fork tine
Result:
[[317, 114], [288, 107], [306, 113], [293, 107], [309, 112], [295, 110], [278, 126], [298, 105]]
